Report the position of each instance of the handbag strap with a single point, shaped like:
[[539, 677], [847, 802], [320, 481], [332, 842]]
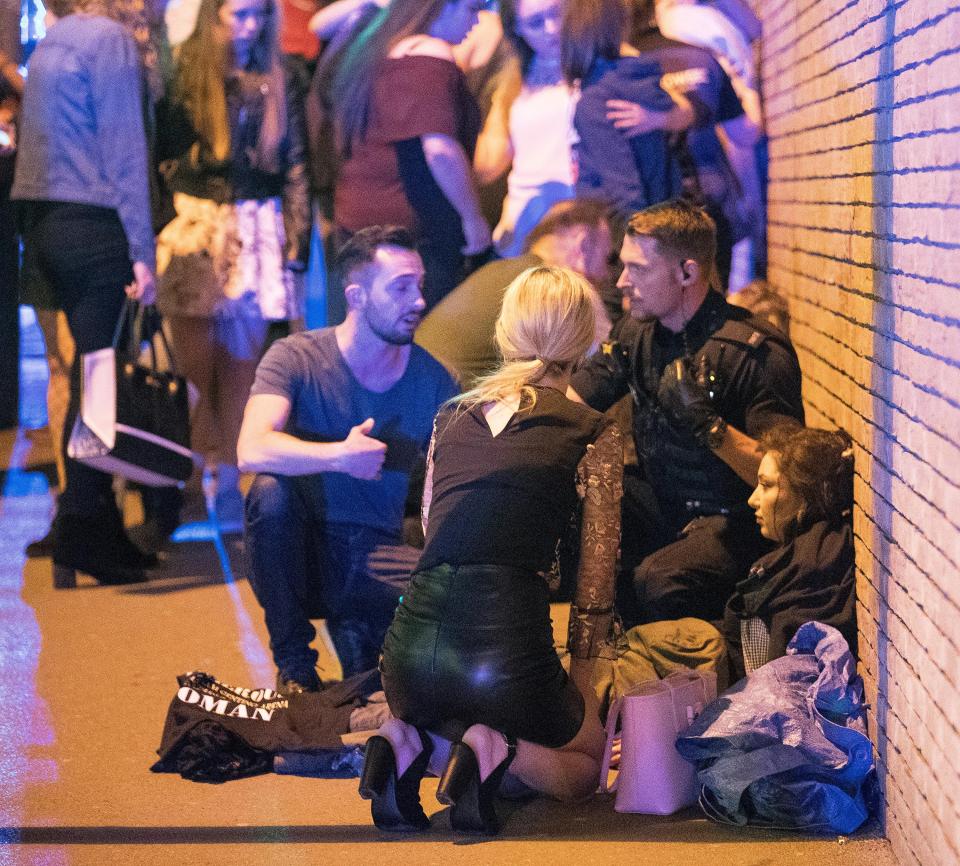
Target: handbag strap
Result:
[[159, 329], [126, 319], [612, 717], [133, 318]]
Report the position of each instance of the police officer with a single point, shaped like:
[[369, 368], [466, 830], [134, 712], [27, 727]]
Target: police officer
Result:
[[706, 379]]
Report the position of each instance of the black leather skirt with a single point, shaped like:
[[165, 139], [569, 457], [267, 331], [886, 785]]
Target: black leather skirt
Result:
[[474, 644]]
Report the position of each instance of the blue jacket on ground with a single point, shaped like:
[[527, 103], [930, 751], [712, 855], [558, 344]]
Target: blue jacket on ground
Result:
[[787, 746], [629, 173], [82, 138]]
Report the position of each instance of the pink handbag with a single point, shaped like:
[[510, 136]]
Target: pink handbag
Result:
[[653, 778]]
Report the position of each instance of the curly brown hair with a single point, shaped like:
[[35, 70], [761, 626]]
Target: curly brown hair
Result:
[[818, 466]]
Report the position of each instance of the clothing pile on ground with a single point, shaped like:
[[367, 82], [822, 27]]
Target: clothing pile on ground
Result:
[[215, 732], [787, 747]]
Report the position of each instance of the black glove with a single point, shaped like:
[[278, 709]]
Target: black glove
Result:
[[616, 358], [687, 402]]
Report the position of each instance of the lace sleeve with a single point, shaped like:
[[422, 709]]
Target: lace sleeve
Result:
[[600, 485]]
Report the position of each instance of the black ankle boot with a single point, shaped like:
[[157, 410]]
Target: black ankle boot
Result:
[[97, 546], [161, 517], [395, 801], [472, 800], [41, 548]]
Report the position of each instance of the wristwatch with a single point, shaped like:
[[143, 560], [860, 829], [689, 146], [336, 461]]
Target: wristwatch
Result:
[[716, 434]]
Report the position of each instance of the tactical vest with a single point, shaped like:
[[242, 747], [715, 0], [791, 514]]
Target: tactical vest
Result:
[[688, 479]]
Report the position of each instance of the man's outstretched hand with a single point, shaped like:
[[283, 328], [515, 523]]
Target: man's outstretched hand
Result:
[[363, 455]]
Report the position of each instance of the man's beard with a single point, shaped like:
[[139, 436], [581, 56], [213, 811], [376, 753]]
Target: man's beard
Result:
[[394, 338]]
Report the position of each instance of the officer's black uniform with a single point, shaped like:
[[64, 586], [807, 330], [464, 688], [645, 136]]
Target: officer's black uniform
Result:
[[686, 515]]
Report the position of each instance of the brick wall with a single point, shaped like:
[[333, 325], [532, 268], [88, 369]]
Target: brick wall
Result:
[[862, 101]]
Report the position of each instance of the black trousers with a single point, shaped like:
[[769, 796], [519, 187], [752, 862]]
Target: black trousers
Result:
[[696, 574], [9, 309], [674, 565], [83, 252]]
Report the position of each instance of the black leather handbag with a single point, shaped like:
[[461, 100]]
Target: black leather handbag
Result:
[[134, 418]]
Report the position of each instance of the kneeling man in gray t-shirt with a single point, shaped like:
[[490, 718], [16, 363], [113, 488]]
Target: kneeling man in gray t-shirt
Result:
[[338, 420]]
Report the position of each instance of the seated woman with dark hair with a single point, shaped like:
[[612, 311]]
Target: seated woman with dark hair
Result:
[[803, 501]]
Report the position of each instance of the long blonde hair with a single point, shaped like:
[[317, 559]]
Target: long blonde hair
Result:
[[202, 64], [546, 323]]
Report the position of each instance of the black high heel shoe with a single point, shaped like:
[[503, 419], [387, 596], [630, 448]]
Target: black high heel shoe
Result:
[[395, 801], [98, 547], [472, 800]]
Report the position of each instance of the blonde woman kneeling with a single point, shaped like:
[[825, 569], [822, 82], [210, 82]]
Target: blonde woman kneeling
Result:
[[469, 658]]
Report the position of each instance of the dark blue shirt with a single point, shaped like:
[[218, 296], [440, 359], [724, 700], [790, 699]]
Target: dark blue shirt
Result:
[[696, 74], [327, 401], [630, 173]]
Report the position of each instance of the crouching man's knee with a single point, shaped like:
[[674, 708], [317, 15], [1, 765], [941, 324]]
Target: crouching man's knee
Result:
[[658, 588], [271, 498]]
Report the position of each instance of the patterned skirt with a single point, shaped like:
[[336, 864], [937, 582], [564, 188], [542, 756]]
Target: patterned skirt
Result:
[[226, 260]]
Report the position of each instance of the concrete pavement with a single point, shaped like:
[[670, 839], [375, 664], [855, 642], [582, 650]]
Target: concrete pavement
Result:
[[85, 680]]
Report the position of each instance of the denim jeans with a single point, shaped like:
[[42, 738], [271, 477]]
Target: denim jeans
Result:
[[301, 566]]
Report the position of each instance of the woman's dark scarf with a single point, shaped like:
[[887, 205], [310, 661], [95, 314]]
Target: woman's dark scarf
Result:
[[810, 577]]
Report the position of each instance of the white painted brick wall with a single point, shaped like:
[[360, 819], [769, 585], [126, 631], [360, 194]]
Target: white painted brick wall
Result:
[[862, 99]]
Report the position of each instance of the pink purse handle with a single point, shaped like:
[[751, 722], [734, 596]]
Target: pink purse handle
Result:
[[612, 717]]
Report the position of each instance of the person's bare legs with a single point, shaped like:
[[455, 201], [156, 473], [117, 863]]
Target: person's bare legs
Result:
[[234, 363], [192, 338], [60, 351], [238, 346], [568, 773]]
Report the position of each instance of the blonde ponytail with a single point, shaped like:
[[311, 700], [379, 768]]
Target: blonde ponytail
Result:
[[546, 324]]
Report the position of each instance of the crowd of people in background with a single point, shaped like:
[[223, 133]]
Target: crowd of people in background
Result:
[[260, 119], [537, 204]]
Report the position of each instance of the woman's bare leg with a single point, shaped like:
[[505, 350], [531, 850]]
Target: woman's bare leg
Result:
[[60, 351], [568, 773], [234, 361], [193, 348]]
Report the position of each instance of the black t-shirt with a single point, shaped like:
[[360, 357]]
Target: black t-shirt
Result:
[[506, 499]]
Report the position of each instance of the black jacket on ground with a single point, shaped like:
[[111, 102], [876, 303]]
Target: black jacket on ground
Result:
[[215, 732]]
